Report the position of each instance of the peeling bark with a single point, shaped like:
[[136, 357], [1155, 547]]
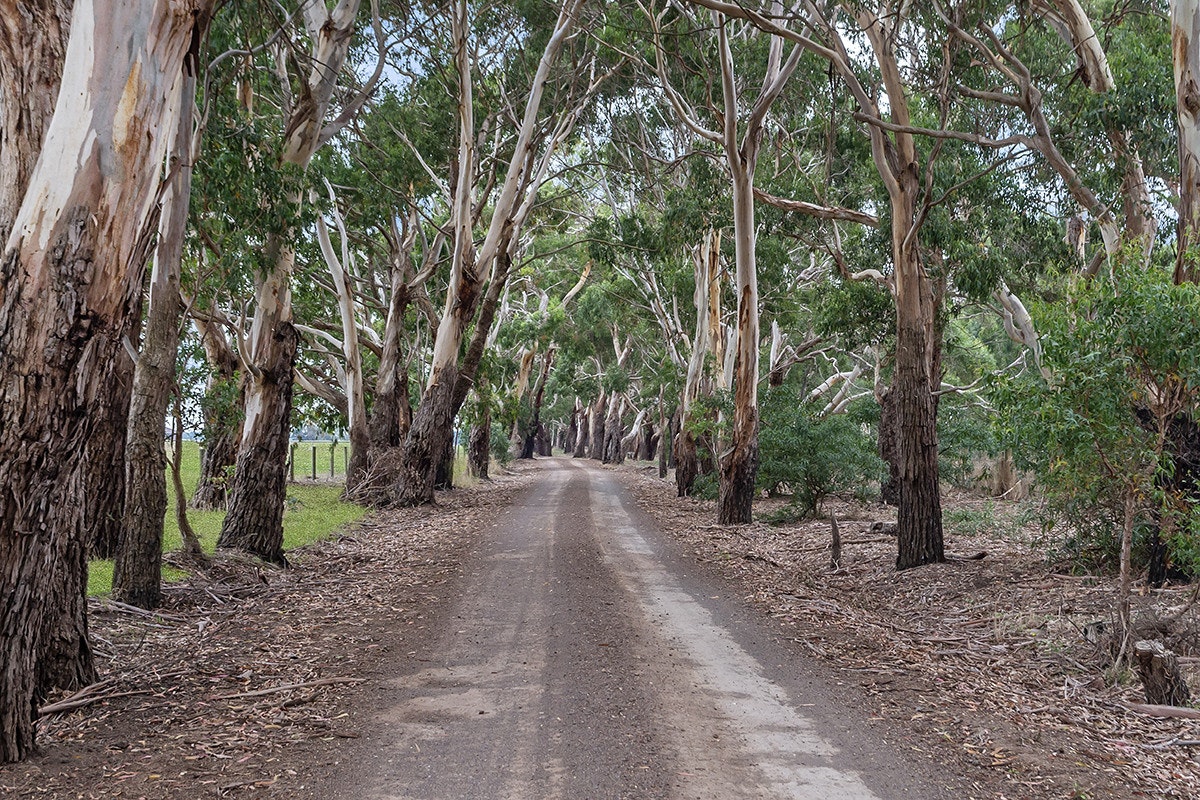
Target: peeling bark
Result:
[[68, 277], [1185, 36], [222, 428], [137, 571]]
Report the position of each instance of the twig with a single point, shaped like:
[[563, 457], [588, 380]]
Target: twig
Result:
[[69, 704], [141, 612], [287, 687]]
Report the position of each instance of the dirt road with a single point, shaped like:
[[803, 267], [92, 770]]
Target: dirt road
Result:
[[586, 659]]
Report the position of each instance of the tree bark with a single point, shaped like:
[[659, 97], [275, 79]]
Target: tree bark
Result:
[[137, 571], [68, 278], [33, 43], [596, 434], [104, 500], [391, 413], [919, 520], [739, 465], [1185, 46], [479, 448], [1162, 679], [222, 426], [254, 523], [572, 433], [889, 437], [614, 431], [583, 437]]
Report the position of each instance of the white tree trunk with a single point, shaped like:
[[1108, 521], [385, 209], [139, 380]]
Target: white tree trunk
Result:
[[1185, 46]]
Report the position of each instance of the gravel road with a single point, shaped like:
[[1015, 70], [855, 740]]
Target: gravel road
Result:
[[587, 659]]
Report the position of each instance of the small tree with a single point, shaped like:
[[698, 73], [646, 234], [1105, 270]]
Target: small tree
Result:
[[812, 455], [1124, 363]]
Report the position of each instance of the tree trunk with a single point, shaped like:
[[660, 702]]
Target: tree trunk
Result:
[[596, 434], [583, 437], [530, 445], [425, 445], [542, 441], [614, 431], [647, 442], [443, 479], [66, 662], [739, 465], [222, 424], [572, 432], [33, 43], [137, 572], [254, 523], [356, 408], [479, 449], [104, 500], [1185, 34], [919, 520], [391, 413], [75, 253], [1161, 677], [889, 436]]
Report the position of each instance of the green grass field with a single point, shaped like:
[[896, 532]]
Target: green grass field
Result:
[[314, 511]]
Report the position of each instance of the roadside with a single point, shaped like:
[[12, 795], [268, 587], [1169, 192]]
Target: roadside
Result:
[[190, 703], [984, 660]]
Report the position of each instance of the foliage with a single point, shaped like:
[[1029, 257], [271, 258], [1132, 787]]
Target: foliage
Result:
[[809, 455], [1124, 362]]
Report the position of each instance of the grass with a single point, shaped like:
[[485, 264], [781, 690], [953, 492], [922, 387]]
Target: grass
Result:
[[313, 512]]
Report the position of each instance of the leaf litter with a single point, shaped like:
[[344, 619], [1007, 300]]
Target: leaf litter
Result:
[[242, 684], [991, 659]]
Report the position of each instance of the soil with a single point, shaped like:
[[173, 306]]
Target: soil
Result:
[[970, 679]]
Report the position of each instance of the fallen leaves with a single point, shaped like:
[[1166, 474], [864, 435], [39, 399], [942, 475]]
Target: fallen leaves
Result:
[[985, 658]]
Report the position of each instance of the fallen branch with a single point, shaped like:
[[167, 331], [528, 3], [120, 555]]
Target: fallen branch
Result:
[[287, 687], [1163, 712], [71, 704], [977, 557], [140, 612]]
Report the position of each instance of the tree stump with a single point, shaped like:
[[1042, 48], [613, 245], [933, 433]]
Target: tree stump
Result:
[[1159, 670]]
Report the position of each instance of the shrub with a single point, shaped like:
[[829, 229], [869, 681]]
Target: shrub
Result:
[[810, 456]]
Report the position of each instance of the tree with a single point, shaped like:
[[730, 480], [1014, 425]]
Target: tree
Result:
[[254, 522], [70, 269], [430, 432], [1185, 34], [137, 571], [739, 464]]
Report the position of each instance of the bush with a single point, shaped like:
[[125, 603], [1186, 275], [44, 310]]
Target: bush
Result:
[[811, 456], [499, 445], [1123, 366]]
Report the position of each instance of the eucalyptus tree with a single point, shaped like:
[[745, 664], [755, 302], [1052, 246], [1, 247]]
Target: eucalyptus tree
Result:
[[71, 268], [254, 522], [1185, 35], [528, 159], [741, 149], [137, 569]]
